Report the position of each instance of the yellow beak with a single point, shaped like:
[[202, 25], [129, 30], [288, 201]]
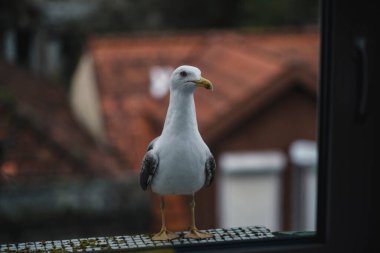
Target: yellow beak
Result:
[[203, 82]]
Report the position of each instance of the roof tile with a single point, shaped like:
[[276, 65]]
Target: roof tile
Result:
[[45, 106]]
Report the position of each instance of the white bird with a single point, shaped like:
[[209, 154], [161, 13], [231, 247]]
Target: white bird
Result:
[[178, 162]]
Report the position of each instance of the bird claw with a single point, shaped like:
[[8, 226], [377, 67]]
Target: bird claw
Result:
[[194, 233], [164, 235]]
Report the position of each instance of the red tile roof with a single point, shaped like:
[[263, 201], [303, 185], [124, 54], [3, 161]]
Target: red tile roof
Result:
[[243, 67], [45, 107]]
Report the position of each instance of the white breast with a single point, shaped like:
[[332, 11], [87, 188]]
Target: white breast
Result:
[[181, 166]]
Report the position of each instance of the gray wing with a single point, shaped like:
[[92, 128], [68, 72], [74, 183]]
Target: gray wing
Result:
[[149, 166], [210, 166]]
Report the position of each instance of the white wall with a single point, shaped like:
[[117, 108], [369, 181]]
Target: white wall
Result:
[[85, 99], [249, 189]]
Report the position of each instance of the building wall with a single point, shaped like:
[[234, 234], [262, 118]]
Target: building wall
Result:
[[291, 116]]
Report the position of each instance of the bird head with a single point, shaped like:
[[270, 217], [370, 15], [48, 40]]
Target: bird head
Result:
[[187, 78]]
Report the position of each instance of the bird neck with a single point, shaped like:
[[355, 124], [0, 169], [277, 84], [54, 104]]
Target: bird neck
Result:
[[181, 115]]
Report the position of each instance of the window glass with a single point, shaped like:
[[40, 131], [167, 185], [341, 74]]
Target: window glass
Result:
[[84, 88]]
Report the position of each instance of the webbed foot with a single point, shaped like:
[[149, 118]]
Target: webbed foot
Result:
[[194, 233], [164, 235]]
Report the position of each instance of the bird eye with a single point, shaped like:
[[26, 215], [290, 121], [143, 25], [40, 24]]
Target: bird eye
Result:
[[183, 73]]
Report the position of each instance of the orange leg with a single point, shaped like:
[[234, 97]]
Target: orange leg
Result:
[[164, 234], [194, 232]]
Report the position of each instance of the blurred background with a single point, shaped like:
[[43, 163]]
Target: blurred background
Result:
[[84, 89]]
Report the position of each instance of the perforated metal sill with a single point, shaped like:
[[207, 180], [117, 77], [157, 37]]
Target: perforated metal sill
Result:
[[134, 242]]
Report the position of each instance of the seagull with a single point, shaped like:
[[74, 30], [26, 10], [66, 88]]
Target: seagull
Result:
[[178, 162]]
